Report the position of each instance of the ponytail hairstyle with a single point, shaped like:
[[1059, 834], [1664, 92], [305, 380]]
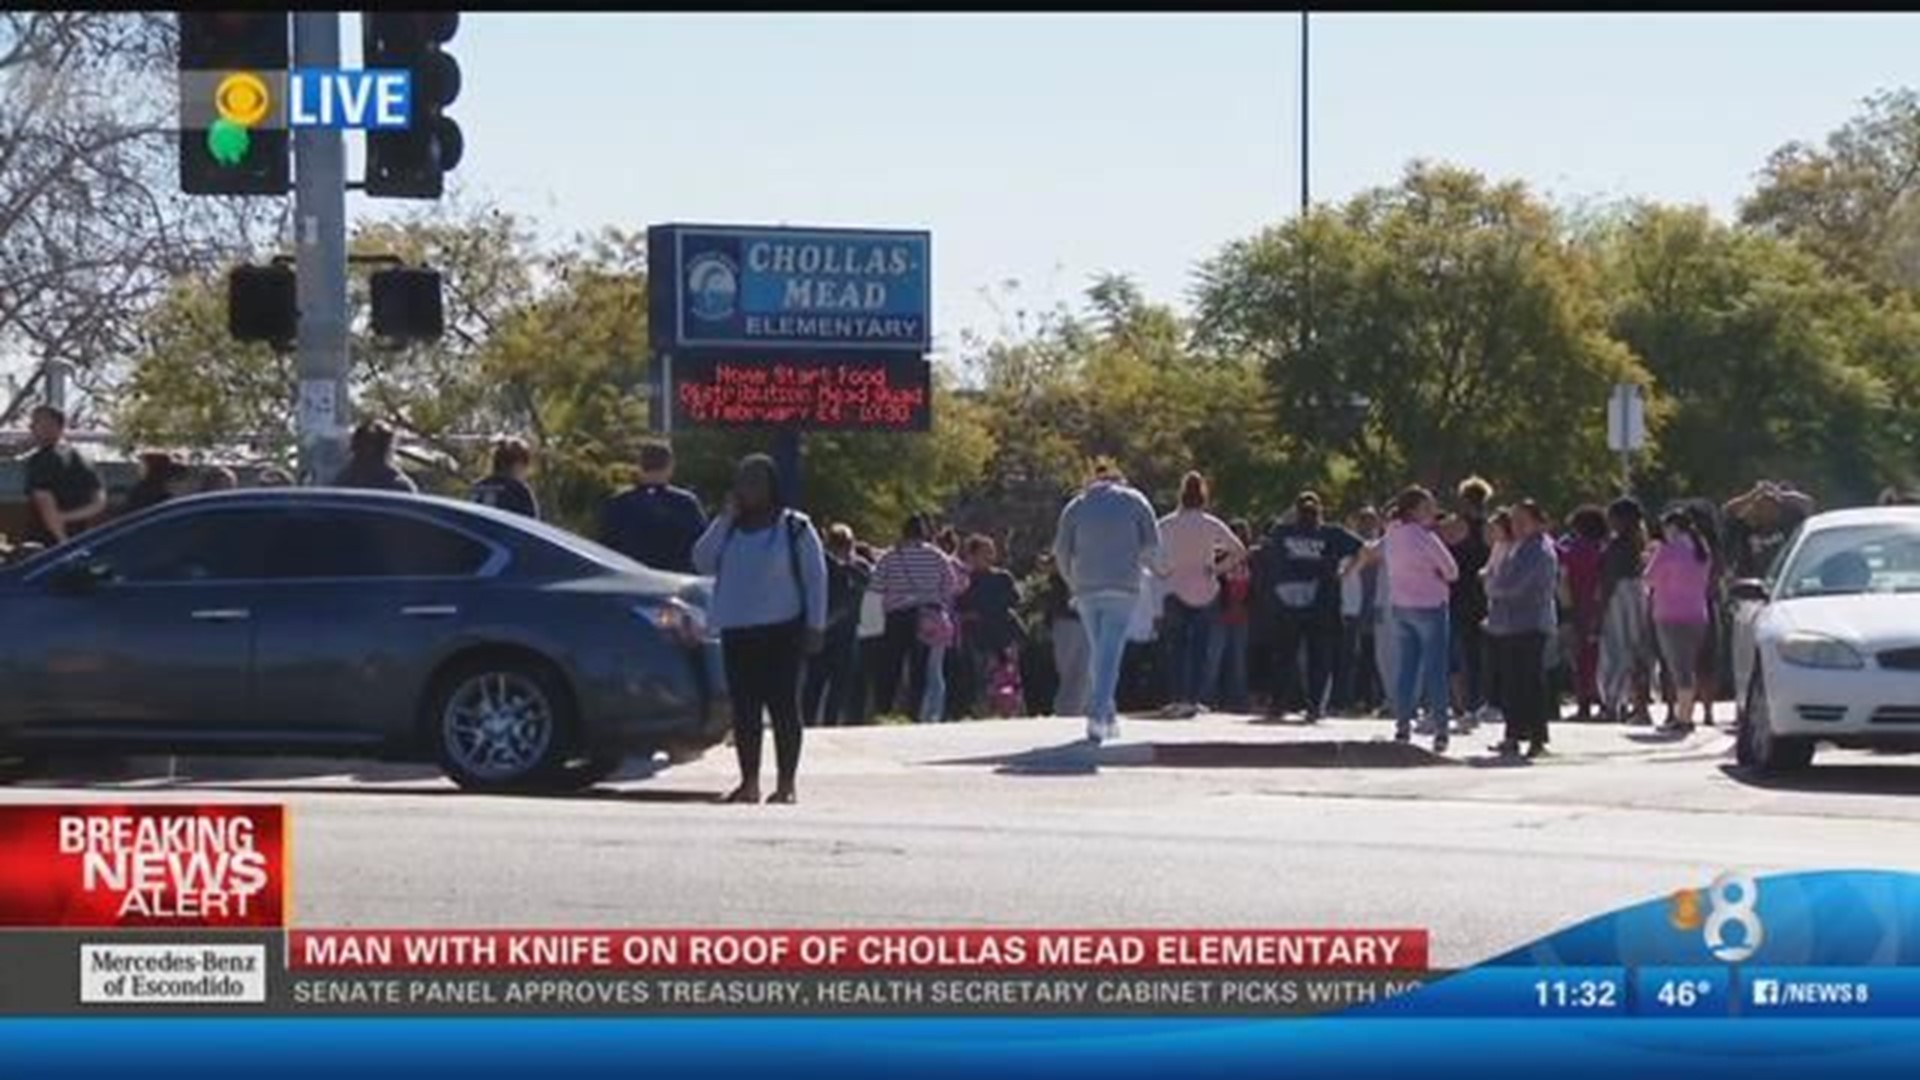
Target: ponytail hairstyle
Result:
[[1680, 519], [1193, 492]]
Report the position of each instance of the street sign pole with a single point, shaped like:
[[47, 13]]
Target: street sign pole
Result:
[[320, 222], [786, 457], [663, 397], [1626, 429]]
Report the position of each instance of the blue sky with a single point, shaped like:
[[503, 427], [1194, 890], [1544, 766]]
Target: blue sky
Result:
[[1046, 149]]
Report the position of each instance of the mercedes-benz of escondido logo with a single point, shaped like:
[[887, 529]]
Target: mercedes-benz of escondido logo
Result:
[[713, 283]]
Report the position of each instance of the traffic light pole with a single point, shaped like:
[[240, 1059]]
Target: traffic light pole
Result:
[[320, 225]]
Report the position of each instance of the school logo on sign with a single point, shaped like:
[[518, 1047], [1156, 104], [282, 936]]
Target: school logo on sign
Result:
[[713, 286]]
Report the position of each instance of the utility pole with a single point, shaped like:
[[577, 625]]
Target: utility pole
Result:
[[320, 245], [1305, 90], [1306, 246]]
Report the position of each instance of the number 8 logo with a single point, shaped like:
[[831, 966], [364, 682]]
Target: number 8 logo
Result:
[[1732, 896]]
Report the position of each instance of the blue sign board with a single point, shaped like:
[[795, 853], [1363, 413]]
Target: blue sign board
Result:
[[744, 288]]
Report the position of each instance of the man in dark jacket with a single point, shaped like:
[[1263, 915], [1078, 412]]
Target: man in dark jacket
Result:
[[371, 462], [1300, 568], [506, 488], [655, 523]]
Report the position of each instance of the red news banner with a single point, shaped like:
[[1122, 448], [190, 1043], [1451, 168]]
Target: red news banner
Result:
[[865, 951], [84, 868], [101, 865]]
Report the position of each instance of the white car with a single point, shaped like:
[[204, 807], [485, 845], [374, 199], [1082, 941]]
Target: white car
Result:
[[1827, 650]]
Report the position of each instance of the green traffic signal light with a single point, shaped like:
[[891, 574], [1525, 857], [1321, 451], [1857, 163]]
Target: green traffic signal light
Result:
[[228, 142]]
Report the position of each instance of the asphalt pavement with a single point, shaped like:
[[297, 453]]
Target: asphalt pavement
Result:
[[1213, 822]]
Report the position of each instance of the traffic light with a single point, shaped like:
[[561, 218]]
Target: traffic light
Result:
[[262, 304], [228, 145], [406, 304], [411, 164]]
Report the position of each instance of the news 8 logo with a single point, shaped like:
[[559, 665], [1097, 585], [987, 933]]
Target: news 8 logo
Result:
[[1730, 905]]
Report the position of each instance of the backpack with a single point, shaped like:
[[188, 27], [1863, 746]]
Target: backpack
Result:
[[1005, 690], [937, 629]]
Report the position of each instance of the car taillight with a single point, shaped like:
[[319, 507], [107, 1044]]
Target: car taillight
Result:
[[678, 620]]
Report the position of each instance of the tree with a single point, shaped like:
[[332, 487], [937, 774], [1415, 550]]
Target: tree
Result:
[[93, 231], [1768, 365], [1852, 201], [1438, 327], [1124, 382], [547, 344]]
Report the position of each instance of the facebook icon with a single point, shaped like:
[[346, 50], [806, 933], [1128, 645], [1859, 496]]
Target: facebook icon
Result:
[[1766, 991]]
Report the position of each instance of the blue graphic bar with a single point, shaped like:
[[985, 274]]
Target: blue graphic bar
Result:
[[846, 1049], [1835, 993], [1513, 993], [1677, 992]]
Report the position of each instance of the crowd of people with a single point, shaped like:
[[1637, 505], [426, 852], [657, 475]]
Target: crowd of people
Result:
[[65, 492], [1440, 617]]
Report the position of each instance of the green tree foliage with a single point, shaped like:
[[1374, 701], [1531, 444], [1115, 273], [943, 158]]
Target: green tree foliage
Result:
[[1444, 325], [1122, 382], [548, 345], [1852, 202], [1767, 364], [1424, 331]]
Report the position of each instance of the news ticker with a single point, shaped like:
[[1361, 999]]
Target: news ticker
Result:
[[247, 973]]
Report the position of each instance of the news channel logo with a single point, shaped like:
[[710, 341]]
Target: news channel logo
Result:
[[713, 286], [238, 102], [1725, 914]]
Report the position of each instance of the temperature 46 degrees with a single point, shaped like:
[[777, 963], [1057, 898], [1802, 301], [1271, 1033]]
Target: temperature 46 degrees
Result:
[[1683, 993]]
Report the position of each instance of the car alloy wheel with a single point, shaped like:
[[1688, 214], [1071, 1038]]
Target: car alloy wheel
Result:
[[498, 727], [1758, 748]]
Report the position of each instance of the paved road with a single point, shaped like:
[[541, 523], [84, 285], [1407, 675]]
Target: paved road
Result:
[[1214, 822]]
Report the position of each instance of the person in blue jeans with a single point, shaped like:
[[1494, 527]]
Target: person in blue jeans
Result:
[[1421, 572], [1107, 535]]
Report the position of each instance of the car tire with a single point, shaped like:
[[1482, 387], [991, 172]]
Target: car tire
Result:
[[503, 725], [1757, 748]]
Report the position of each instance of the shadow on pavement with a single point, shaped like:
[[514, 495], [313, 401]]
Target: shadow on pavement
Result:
[[1835, 780], [1323, 754], [1081, 758], [1659, 737], [291, 776]]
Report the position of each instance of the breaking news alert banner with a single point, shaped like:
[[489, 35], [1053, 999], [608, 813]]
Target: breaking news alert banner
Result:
[[132, 934]]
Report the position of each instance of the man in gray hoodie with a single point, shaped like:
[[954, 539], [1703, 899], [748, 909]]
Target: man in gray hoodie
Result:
[[1108, 534]]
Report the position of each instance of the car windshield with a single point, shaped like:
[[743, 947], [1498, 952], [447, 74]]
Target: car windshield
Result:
[[1879, 558]]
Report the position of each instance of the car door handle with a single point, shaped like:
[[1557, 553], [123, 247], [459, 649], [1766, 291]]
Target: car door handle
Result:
[[430, 611], [222, 615]]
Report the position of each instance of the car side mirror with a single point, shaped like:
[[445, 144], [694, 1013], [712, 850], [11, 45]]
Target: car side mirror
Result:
[[1749, 590], [81, 576]]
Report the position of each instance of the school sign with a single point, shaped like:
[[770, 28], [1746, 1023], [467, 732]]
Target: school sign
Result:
[[839, 318], [800, 290]]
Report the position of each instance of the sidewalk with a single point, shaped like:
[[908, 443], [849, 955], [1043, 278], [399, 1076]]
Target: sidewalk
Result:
[[1034, 746], [1224, 741]]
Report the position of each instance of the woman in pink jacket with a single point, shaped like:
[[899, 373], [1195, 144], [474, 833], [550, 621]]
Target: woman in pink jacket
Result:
[[1678, 576], [1420, 572]]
